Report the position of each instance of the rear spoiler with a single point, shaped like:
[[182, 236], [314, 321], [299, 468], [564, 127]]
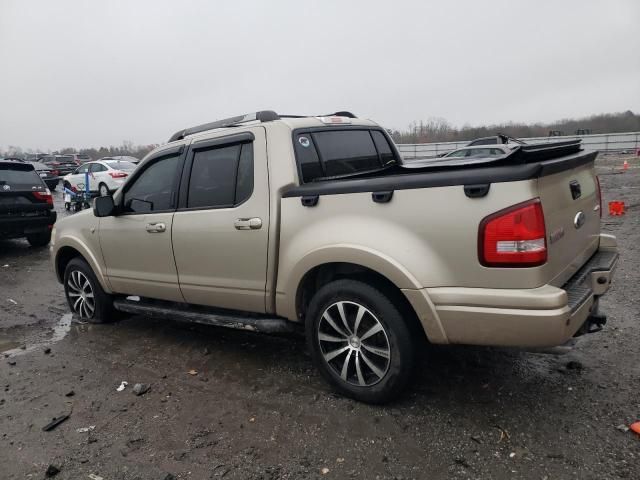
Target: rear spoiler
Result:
[[539, 152], [520, 155]]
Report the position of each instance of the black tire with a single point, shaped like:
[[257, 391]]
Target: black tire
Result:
[[362, 382], [76, 272], [67, 206], [39, 239], [100, 188]]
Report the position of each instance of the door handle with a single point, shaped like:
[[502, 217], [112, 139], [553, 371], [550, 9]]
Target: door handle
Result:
[[155, 227], [248, 223]]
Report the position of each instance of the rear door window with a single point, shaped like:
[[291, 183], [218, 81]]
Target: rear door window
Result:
[[221, 176]]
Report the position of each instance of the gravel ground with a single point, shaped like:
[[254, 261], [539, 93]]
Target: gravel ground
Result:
[[235, 405]]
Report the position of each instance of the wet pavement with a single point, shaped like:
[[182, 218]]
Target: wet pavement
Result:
[[233, 404]]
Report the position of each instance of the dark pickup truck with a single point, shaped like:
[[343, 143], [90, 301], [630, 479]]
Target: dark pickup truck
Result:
[[26, 204]]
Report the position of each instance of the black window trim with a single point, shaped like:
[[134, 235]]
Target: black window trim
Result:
[[334, 128], [210, 144], [178, 151]]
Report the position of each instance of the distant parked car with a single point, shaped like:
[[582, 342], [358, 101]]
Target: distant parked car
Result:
[[34, 157], [26, 204], [122, 157], [61, 164], [47, 174], [80, 158], [105, 176], [479, 152], [498, 139]]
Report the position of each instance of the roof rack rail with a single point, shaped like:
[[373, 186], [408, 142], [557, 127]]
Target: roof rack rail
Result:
[[336, 114], [262, 116], [341, 113]]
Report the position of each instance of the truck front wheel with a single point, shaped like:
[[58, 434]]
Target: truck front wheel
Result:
[[85, 296], [359, 341]]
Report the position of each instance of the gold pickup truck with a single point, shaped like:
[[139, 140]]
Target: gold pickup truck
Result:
[[268, 221]]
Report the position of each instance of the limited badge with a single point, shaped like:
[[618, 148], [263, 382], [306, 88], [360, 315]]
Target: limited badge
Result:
[[304, 141]]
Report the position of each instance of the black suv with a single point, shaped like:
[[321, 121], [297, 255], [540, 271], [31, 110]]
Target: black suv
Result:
[[26, 205], [61, 164]]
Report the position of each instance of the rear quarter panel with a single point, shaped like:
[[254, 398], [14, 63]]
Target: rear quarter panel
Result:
[[421, 238]]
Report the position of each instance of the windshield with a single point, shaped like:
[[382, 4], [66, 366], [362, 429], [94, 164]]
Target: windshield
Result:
[[120, 165]]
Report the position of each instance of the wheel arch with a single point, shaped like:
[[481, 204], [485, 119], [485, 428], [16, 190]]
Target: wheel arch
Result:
[[73, 250], [325, 273]]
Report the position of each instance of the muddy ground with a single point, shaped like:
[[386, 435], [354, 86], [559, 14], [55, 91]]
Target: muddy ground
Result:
[[256, 409]]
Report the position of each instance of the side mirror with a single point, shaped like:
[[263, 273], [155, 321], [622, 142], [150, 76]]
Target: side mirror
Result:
[[104, 206]]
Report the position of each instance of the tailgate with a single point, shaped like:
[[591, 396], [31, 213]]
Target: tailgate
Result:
[[19, 183], [571, 204]]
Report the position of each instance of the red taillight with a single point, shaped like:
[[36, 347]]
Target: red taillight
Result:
[[118, 174], [514, 237], [599, 194], [44, 196]]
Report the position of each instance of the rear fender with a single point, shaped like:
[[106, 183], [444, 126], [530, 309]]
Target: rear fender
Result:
[[365, 257]]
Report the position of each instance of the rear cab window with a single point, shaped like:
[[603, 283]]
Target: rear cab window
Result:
[[323, 153]]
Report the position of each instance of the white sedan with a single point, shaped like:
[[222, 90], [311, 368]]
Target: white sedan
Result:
[[105, 176]]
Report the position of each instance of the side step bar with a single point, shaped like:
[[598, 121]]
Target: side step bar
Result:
[[205, 316]]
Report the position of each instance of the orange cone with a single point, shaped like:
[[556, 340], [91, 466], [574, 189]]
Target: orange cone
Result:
[[616, 208], [635, 427], [625, 165]]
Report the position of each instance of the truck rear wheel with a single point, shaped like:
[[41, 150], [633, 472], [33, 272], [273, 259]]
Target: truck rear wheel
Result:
[[359, 341], [85, 296]]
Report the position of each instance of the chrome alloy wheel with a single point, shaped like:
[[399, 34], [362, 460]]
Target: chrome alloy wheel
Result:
[[354, 343], [81, 294]]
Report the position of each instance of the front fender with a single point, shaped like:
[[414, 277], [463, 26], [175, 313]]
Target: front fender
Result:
[[93, 259]]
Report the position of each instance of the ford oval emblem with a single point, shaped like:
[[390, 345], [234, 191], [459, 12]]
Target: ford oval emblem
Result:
[[579, 219]]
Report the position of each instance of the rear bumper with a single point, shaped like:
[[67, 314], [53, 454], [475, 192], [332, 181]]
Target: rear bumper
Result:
[[20, 226], [540, 317]]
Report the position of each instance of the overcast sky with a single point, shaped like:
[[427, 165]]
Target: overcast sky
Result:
[[89, 73]]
